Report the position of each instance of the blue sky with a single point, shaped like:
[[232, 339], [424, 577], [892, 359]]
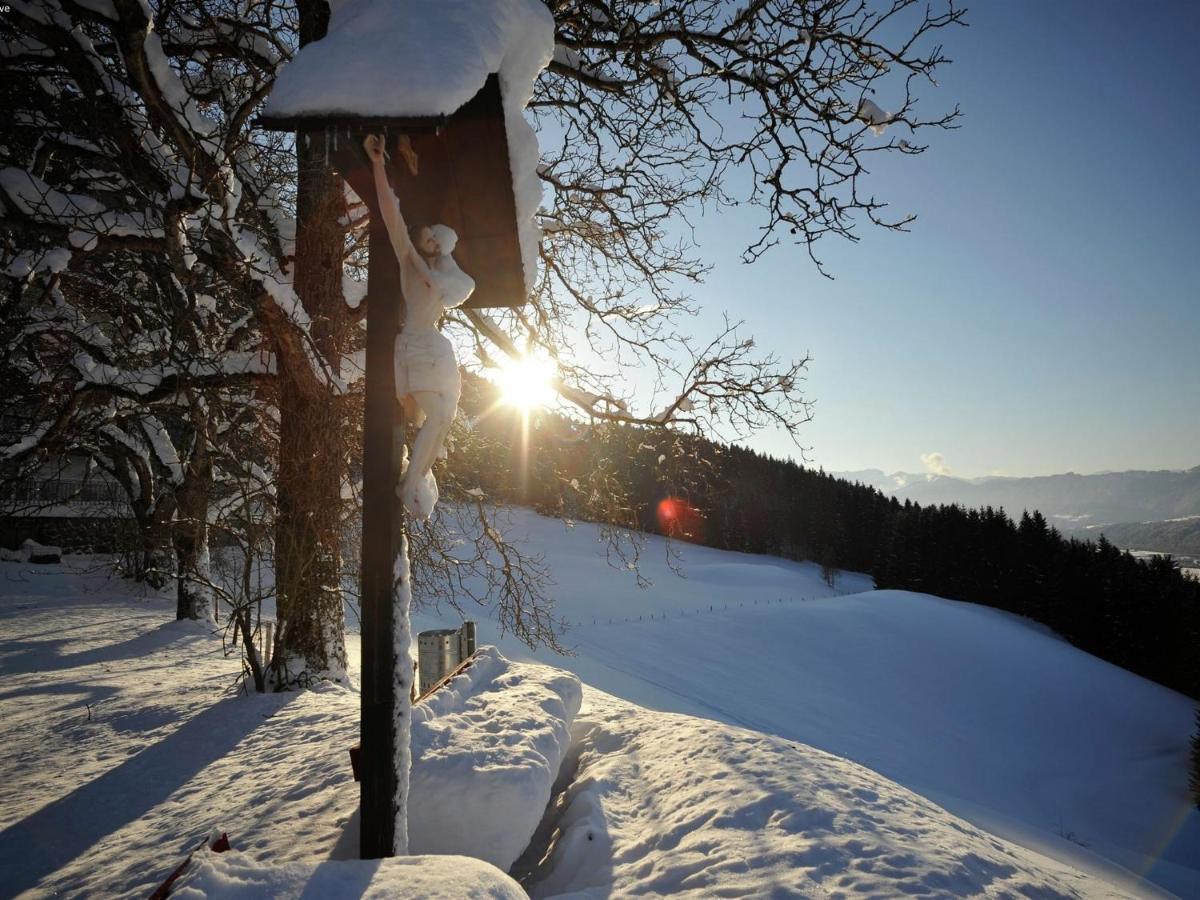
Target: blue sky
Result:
[[1044, 313]]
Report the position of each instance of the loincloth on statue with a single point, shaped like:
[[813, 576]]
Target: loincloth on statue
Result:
[[425, 361]]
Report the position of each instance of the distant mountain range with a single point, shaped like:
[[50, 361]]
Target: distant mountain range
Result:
[[1136, 509]]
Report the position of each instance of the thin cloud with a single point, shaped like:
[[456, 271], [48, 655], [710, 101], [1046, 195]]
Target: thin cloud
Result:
[[935, 464]]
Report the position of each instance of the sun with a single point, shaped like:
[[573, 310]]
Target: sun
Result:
[[526, 383]]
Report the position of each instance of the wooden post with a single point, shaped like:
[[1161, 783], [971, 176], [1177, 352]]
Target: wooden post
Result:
[[381, 534]]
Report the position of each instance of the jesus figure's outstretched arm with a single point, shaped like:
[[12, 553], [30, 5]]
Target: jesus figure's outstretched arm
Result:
[[389, 207]]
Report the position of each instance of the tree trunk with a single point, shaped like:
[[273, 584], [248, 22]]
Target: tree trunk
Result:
[[189, 532], [193, 599], [144, 544], [310, 642], [245, 628]]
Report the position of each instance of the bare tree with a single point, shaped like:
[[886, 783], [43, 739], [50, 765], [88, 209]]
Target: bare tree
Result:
[[131, 166], [647, 114], [650, 113], [152, 268]]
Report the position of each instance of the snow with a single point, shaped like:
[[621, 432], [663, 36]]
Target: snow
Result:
[[144, 381], [201, 33], [671, 805], [30, 195], [164, 448], [33, 197], [26, 444], [392, 58], [31, 548], [122, 745], [354, 366], [117, 746], [489, 746], [274, 280], [188, 254], [870, 113], [774, 736], [234, 875], [35, 261], [177, 96], [395, 59], [248, 362], [402, 649], [984, 713], [354, 292]]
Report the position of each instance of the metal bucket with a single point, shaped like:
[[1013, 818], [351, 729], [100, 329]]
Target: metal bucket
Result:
[[440, 651]]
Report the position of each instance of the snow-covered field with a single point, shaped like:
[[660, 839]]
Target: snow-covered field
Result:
[[986, 714], [848, 742]]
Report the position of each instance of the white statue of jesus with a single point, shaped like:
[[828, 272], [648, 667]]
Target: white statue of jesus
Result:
[[427, 378]]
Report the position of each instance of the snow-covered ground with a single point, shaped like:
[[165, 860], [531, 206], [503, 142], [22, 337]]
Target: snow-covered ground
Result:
[[848, 742], [238, 876], [665, 804], [121, 744], [986, 714]]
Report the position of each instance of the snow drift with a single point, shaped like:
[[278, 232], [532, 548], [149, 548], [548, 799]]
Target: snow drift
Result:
[[670, 805], [236, 876], [487, 748]]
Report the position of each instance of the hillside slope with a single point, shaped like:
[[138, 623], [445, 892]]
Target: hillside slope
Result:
[[666, 805], [987, 714], [120, 742]]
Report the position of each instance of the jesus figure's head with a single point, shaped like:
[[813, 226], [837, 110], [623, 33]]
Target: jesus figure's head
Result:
[[433, 241]]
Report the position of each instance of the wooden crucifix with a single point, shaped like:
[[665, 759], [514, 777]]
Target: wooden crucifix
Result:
[[452, 170]]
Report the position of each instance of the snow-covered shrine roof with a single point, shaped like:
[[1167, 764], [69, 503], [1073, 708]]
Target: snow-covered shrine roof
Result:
[[410, 62], [414, 58]]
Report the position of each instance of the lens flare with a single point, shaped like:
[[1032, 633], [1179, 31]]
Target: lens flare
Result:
[[679, 519]]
